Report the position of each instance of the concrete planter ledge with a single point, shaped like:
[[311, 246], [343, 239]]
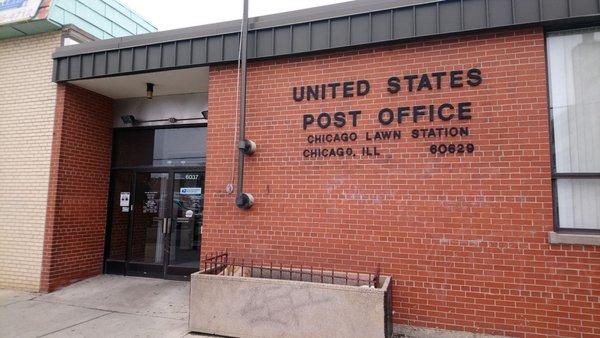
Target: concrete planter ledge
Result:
[[240, 306]]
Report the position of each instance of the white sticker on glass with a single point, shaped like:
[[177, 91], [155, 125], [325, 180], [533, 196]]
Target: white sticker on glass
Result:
[[190, 191]]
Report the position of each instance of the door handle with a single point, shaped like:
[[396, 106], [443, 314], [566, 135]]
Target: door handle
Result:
[[164, 226], [168, 225]]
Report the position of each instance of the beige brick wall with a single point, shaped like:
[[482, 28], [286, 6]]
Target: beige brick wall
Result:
[[27, 102]]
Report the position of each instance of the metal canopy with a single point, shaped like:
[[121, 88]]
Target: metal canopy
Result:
[[331, 27]]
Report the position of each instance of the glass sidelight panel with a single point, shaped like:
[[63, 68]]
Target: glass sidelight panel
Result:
[[121, 190], [188, 201], [150, 211]]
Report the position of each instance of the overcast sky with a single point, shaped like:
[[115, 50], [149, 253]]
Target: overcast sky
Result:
[[185, 13]]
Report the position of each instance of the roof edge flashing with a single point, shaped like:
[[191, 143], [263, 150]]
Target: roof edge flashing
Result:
[[219, 43], [301, 16]]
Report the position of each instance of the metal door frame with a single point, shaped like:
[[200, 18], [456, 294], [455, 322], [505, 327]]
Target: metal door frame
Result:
[[128, 268]]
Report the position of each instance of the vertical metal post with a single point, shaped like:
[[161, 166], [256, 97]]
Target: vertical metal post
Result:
[[242, 135]]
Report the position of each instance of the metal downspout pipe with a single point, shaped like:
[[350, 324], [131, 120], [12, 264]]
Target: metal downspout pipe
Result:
[[246, 147]]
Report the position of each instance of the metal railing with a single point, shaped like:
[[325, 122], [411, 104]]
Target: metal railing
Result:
[[220, 263]]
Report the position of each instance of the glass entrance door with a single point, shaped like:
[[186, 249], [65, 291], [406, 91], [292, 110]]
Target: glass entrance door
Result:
[[186, 219], [157, 216], [150, 213]]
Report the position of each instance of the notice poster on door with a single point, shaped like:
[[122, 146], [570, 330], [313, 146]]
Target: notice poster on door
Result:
[[124, 200], [150, 203]]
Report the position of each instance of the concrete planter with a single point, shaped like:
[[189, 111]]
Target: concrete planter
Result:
[[262, 307]]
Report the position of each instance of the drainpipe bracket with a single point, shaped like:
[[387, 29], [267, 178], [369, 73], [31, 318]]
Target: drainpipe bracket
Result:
[[244, 201], [248, 147]]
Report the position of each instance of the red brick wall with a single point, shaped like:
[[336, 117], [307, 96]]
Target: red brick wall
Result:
[[79, 180], [464, 236]]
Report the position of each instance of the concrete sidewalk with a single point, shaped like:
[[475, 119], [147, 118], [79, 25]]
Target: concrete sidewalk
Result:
[[104, 306], [118, 306]]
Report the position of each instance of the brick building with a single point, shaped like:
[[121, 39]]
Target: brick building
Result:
[[30, 31], [452, 143]]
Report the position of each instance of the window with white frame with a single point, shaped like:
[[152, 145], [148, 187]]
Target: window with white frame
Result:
[[574, 82]]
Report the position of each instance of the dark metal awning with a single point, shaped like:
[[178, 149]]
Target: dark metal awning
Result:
[[317, 29]]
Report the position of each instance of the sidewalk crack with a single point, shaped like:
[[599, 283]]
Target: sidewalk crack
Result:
[[110, 310], [70, 326]]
